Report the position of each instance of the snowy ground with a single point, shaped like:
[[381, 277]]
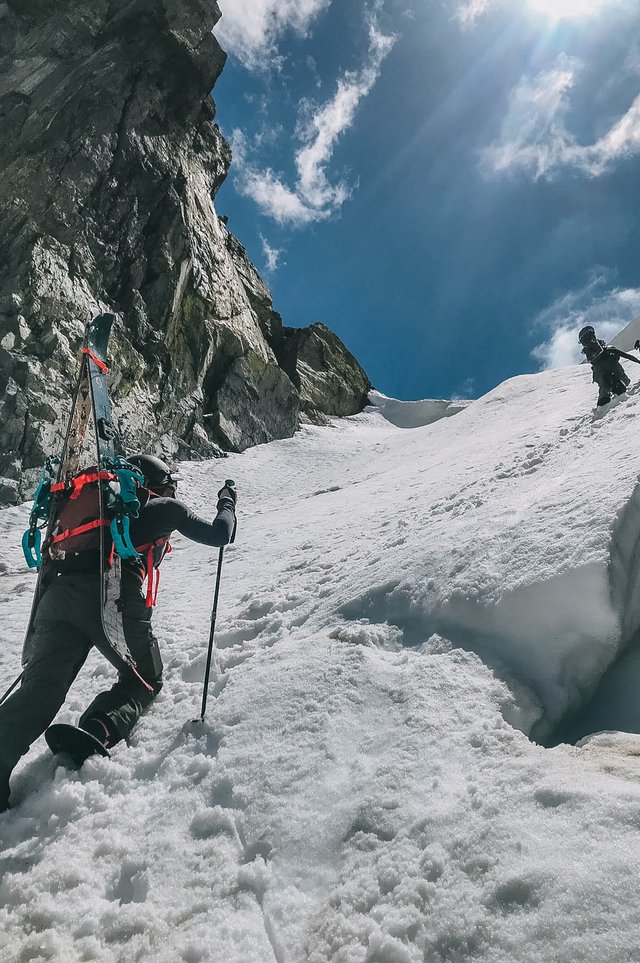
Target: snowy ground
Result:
[[403, 608]]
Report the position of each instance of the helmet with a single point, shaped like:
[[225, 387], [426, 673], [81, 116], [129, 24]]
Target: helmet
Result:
[[157, 474], [587, 334]]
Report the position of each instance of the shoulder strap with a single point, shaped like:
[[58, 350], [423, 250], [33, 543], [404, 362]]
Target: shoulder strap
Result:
[[152, 568], [77, 483]]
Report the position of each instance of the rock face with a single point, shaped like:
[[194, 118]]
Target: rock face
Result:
[[324, 372], [109, 165]]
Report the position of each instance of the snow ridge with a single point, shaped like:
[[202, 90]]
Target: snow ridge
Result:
[[401, 609]]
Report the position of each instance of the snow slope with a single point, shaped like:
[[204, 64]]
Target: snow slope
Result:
[[402, 609]]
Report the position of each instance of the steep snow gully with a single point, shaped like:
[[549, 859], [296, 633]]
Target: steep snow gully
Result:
[[414, 622], [610, 701], [614, 704], [545, 582]]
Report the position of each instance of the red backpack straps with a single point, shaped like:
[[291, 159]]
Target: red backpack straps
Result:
[[152, 565], [77, 514]]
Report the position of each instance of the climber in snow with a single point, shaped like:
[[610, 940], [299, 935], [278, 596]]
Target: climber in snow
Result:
[[68, 622], [608, 373]]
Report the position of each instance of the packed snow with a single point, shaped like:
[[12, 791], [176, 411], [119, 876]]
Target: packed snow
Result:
[[414, 414], [408, 617]]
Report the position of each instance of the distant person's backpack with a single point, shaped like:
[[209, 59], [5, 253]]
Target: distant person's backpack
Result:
[[614, 372]]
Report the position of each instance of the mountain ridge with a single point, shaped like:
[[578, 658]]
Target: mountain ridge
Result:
[[110, 164]]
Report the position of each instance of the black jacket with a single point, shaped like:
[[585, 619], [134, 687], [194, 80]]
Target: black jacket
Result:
[[162, 516], [158, 519], [599, 352], [617, 353]]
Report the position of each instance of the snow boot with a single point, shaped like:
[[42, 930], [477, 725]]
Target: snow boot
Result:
[[74, 745], [98, 729]]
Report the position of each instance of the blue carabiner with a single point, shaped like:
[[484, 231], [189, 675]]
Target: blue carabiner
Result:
[[31, 547], [119, 529], [31, 540]]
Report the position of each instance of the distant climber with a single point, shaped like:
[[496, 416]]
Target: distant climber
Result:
[[68, 623], [608, 373]]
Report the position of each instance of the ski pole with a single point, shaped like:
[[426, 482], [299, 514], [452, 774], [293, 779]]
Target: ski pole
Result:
[[214, 612], [11, 688]]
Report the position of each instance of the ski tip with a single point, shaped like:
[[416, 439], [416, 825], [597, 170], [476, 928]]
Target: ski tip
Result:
[[101, 323]]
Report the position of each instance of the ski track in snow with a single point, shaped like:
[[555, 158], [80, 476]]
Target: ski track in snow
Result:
[[401, 608]]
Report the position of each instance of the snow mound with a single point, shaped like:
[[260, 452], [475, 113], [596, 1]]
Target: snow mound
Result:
[[414, 414]]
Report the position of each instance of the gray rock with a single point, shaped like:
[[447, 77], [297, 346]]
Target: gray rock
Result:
[[328, 377], [109, 163], [8, 490]]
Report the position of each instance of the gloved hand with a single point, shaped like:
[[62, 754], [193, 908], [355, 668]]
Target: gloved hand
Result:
[[637, 345], [228, 490]]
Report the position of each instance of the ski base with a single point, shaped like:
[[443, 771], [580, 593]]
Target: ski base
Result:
[[73, 744]]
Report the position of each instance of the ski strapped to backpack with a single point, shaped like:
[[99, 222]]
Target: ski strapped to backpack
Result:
[[107, 501], [120, 482]]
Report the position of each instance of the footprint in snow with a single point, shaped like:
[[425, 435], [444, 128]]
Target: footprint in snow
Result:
[[131, 885]]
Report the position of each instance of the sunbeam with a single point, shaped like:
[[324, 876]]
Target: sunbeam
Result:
[[569, 9]]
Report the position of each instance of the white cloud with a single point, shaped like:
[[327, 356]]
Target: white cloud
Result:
[[313, 197], [250, 29], [607, 309], [533, 133], [271, 254], [467, 13], [535, 137], [275, 199]]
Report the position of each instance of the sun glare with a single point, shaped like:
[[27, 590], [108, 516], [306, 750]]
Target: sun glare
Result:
[[569, 9]]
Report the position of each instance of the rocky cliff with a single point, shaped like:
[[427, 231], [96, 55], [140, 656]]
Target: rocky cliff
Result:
[[109, 165]]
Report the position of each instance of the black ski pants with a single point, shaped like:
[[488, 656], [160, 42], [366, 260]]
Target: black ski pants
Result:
[[610, 377], [66, 626]]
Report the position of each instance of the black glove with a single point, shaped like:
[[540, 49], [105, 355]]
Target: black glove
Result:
[[228, 490], [637, 345]]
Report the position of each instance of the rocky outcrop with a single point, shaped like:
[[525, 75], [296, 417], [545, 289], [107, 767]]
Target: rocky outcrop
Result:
[[329, 380], [328, 377], [109, 165]]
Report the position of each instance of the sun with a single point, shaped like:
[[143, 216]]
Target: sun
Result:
[[569, 9]]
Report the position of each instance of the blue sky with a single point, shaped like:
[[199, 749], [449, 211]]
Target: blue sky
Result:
[[452, 187]]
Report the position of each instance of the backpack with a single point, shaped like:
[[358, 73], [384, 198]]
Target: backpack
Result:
[[76, 520], [76, 525]]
